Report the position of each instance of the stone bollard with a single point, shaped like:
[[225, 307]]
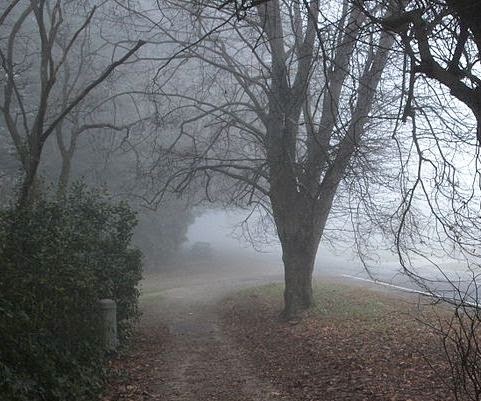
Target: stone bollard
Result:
[[108, 308]]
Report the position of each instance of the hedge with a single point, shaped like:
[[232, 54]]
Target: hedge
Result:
[[57, 259]]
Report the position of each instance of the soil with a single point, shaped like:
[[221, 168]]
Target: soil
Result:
[[196, 342], [181, 352]]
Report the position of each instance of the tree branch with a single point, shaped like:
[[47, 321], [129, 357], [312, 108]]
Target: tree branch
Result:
[[89, 88]]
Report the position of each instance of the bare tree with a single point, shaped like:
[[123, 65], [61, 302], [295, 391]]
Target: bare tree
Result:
[[32, 62], [286, 95], [442, 41], [438, 218]]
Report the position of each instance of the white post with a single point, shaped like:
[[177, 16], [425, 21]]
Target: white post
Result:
[[108, 308]]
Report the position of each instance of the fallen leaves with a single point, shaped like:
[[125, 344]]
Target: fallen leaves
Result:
[[134, 373], [356, 358], [324, 357]]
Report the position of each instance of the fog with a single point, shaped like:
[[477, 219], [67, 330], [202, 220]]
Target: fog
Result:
[[186, 132], [221, 229], [233, 254], [185, 163]]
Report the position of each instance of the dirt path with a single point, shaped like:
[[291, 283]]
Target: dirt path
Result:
[[185, 353]]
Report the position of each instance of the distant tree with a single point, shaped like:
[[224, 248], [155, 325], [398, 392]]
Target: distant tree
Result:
[[104, 113], [161, 232], [37, 43]]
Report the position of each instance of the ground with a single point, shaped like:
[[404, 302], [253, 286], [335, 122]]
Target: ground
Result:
[[202, 339]]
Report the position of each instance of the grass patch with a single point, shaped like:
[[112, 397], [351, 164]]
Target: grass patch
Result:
[[271, 292], [340, 301], [150, 295], [333, 300]]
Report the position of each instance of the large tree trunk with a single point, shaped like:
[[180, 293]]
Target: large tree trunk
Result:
[[298, 256], [300, 222]]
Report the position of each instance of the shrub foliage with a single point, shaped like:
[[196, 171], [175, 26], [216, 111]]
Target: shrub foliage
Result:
[[57, 259]]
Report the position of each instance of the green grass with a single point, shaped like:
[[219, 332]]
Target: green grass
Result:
[[332, 300], [343, 301], [269, 291], [149, 295]]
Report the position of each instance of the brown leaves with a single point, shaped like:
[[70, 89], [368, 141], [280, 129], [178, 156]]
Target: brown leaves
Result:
[[134, 375], [356, 358], [335, 356]]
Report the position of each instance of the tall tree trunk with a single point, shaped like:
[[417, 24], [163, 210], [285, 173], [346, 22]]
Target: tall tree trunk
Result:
[[298, 255], [300, 222]]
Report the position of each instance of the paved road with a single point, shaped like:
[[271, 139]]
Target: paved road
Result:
[[446, 279]]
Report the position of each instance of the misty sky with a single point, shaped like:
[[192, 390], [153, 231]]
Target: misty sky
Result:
[[219, 229]]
